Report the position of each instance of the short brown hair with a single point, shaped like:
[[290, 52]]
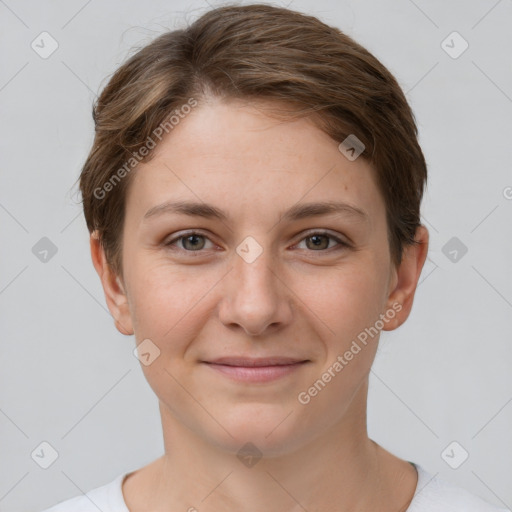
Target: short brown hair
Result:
[[256, 52]]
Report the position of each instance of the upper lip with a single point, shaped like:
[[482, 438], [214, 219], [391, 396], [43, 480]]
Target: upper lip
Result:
[[256, 361]]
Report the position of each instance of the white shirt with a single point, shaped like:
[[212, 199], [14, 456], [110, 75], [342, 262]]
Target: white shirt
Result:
[[432, 494]]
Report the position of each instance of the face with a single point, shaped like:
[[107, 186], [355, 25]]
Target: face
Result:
[[268, 278]]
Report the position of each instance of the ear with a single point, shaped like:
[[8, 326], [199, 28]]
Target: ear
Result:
[[405, 278], [115, 295]]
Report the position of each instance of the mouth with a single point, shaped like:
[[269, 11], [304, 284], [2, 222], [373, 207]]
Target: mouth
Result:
[[256, 369]]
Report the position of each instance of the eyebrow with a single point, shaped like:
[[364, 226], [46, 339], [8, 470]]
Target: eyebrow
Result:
[[296, 212]]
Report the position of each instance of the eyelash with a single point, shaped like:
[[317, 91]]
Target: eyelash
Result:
[[341, 243]]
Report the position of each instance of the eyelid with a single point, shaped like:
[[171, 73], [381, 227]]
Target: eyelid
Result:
[[341, 243], [185, 234], [319, 231]]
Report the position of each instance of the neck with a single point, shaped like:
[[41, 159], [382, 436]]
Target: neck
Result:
[[342, 469]]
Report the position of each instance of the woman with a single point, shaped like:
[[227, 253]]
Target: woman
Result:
[[253, 197]]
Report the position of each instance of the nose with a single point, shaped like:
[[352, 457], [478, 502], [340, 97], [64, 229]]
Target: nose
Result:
[[255, 297]]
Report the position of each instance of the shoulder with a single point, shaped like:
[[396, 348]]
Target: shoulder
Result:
[[434, 494], [107, 498]]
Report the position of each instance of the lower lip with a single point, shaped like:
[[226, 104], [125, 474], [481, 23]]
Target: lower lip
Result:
[[256, 373]]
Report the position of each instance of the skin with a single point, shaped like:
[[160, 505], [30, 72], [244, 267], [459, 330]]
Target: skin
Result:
[[296, 299]]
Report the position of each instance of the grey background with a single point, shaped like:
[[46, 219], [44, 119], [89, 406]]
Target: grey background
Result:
[[70, 379]]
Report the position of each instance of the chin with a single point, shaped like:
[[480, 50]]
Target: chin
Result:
[[270, 428]]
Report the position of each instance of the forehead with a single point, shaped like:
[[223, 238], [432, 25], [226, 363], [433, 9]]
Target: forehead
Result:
[[236, 156]]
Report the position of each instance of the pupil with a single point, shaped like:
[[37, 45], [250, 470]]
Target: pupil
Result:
[[193, 237], [317, 239]]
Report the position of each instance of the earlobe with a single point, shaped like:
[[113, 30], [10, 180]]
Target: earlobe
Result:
[[115, 295], [406, 279]]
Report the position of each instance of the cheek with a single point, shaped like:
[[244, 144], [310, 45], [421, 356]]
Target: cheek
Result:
[[349, 304], [168, 307], [346, 300], [170, 304]]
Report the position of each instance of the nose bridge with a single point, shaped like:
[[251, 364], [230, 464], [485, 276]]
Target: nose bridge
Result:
[[254, 265], [254, 271]]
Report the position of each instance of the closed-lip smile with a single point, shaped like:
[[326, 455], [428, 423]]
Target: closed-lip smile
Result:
[[256, 369]]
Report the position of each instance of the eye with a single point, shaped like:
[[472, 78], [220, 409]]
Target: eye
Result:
[[192, 241], [320, 240]]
